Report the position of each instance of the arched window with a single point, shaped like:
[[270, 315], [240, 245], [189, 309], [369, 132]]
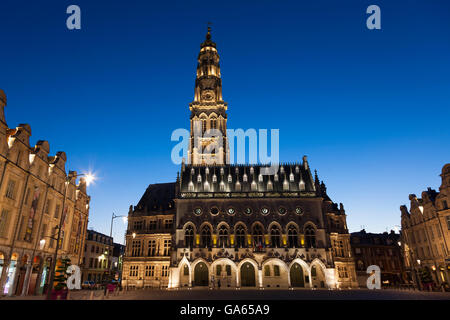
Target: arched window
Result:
[[203, 125], [189, 237], [213, 123], [223, 236], [240, 236], [292, 237], [206, 237], [310, 237], [275, 237], [258, 237]]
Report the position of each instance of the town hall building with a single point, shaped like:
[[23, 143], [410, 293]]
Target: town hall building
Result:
[[235, 224]]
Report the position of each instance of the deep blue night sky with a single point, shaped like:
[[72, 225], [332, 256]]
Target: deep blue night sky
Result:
[[369, 108]]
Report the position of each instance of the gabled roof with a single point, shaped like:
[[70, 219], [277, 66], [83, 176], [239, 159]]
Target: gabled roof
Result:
[[158, 198]]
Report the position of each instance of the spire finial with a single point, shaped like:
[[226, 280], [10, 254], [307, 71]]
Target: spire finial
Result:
[[208, 35]]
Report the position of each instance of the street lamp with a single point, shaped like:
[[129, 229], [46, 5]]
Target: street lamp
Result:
[[89, 178], [107, 252]]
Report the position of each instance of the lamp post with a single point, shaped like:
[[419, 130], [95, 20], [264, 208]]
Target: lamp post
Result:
[[69, 177], [111, 247]]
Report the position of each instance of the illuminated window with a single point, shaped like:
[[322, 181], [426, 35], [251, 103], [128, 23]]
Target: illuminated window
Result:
[[152, 248], [276, 270], [165, 271], [149, 271], [218, 270], [167, 244], [267, 271]]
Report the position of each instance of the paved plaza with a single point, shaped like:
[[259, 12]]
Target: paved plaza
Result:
[[273, 294]]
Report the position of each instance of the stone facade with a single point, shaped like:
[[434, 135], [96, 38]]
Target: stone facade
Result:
[[98, 256], [34, 189], [381, 249], [426, 235], [239, 225]]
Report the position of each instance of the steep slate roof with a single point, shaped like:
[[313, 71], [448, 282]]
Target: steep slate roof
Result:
[[158, 198]]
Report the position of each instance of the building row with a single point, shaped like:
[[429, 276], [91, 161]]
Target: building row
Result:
[[37, 195], [426, 235]]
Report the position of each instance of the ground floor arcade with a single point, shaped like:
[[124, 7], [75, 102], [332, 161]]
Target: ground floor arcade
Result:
[[248, 273]]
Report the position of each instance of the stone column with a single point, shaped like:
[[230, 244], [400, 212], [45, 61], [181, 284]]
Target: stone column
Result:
[[260, 277], [26, 281], [5, 269]]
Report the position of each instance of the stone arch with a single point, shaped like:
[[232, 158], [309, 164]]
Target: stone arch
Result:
[[293, 223], [240, 222], [248, 273], [305, 270], [201, 270], [318, 278], [189, 223], [185, 280], [270, 278], [257, 222], [226, 280], [274, 223], [309, 223]]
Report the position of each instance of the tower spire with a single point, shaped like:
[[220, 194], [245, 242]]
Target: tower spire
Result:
[[208, 110]]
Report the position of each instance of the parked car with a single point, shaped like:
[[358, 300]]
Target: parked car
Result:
[[88, 285]]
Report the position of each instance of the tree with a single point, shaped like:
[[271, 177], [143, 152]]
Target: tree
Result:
[[61, 274], [425, 275]]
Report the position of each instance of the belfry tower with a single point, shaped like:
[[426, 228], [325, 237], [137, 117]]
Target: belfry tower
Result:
[[208, 139]]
